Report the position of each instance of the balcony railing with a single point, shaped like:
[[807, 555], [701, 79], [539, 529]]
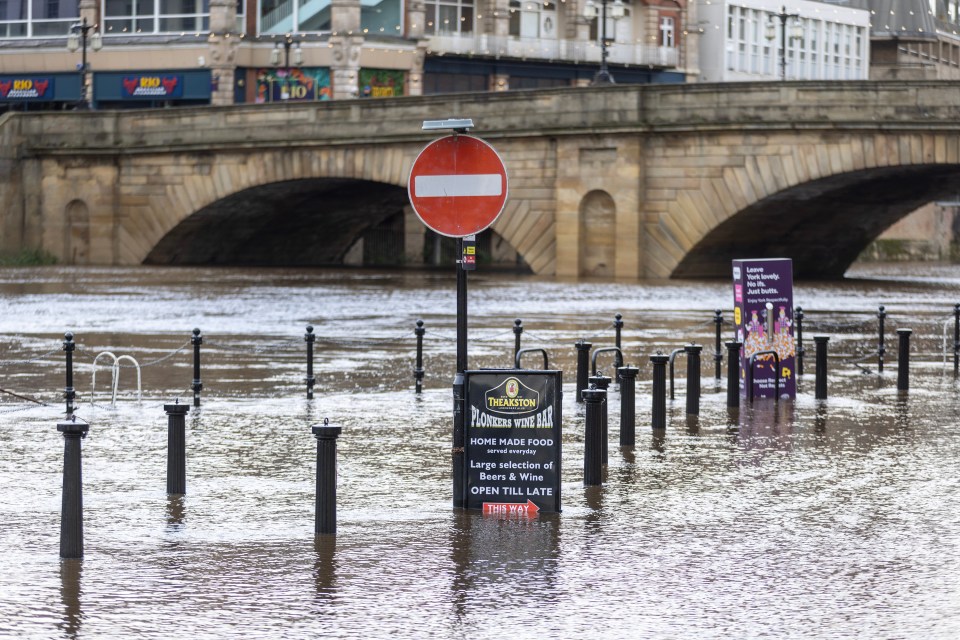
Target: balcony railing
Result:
[[554, 50]]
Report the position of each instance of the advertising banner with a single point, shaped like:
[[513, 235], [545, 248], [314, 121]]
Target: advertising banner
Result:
[[512, 443], [763, 315], [151, 87], [294, 84], [26, 88]]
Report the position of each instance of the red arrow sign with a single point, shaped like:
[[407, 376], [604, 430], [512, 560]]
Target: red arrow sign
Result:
[[510, 508], [458, 186]]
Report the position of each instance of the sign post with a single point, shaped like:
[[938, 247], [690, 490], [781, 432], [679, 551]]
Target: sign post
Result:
[[458, 187]]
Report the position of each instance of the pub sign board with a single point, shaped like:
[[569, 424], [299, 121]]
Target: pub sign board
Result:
[[513, 441], [763, 316]]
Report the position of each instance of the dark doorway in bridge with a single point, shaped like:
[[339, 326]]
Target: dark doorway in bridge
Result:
[[598, 217], [76, 240]]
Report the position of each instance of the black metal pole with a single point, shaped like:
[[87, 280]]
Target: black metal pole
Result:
[[618, 354], [903, 360], [583, 367], [309, 337], [418, 367], [733, 374], [820, 385], [798, 320], [69, 394], [176, 448], [956, 339], [71, 511], [718, 353], [881, 316], [659, 393], [592, 443], [197, 386], [628, 405], [603, 384], [326, 518], [693, 379], [459, 382], [517, 330]]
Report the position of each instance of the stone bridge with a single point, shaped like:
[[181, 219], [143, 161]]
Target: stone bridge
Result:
[[630, 181]]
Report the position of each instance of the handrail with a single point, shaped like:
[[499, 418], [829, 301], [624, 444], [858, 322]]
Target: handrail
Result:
[[115, 376], [116, 382], [604, 350], [673, 356], [776, 374], [531, 350]]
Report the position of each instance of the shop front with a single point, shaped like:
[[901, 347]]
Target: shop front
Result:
[[39, 92], [151, 89]]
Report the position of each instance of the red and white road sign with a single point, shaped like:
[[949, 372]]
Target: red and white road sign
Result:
[[458, 185]]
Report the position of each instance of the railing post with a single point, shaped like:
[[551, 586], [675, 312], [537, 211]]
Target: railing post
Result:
[[798, 323], [602, 383], [176, 448], [717, 353], [309, 337], [693, 379], [583, 366], [820, 385], [517, 330], [956, 339], [733, 374], [628, 405], [903, 360], [671, 359], [71, 510], [69, 394], [881, 316], [326, 505], [659, 393], [418, 367], [618, 355], [197, 386], [592, 464]]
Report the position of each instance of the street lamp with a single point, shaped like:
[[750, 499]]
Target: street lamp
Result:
[[796, 32], [78, 40], [617, 11], [288, 42]]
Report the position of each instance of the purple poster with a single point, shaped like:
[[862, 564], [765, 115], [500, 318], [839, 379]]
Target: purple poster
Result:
[[763, 315]]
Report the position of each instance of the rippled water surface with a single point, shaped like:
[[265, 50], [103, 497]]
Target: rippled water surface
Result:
[[835, 519]]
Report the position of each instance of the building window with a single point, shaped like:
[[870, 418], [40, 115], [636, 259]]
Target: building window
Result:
[[533, 19], [37, 18], [449, 17], [667, 32]]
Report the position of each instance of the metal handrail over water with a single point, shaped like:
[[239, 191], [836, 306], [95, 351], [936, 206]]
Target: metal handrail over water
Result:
[[605, 350], [673, 356], [516, 364], [115, 376], [776, 374]]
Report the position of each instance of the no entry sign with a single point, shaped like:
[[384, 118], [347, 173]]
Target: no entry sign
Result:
[[458, 185]]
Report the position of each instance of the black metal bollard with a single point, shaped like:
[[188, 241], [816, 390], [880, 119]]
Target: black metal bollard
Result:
[[176, 448], [820, 385], [197, 386], [733, 374], [326, 519], [659, 393], [618, 355], [517, 330], [717, 353], [71, 510], [309, 337], [798, 322], [583, 366], [628, 405], [881, 316], [956, 339], [903, 360], [592, 463], [693, 379], [603, 383], [418, 367], [69, 394]]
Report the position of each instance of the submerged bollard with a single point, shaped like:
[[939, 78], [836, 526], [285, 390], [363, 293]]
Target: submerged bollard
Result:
[[717, 353], [418, 367], [903, 360], [881, 316], [820, 385], [659, 393], [583, 367], [69, 394], [693, 379], [326, 519], [956, 339], [71, 510], [733, 374], [798, 323], [603, 383], [309, 337], [517, 330], [197, 386], [618, 355], [176, 448], [628, 405], [592, 465]]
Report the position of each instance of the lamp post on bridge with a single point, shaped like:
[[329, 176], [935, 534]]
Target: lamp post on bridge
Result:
[[78, 40], [617, 11], [288, 42], [796, 32]]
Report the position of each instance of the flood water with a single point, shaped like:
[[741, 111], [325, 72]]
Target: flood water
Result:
[[832, 519]]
